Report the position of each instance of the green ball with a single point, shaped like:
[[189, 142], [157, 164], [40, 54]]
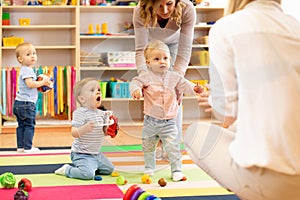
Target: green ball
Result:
[[8, 180], [120, 180]]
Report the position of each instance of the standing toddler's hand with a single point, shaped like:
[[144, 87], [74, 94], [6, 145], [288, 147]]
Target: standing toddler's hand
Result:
[[203, 100], [137, 94], [47, 81]]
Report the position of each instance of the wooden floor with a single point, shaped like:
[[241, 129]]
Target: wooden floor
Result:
[[53, 137]]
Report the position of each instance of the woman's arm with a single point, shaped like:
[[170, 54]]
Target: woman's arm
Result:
[[186, 39], [141, 40], [223, 84]]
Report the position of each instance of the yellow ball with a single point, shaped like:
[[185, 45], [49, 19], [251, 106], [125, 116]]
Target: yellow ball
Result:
[[146, 179]]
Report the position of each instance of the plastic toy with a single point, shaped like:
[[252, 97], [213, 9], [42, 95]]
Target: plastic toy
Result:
[[115, 174], [5, 18], [91, 29], [47, 3], [25, 184], [121, 180], [146, 179], [98, 178], [98, 29], [112, 129], [134, 192], [24, 21], [104, 28], [137, 194], [162, 182], [44, 89], [21, 195], [8, 180], [32, 3]]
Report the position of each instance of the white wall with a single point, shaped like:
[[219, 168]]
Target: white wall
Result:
[[289, 6]]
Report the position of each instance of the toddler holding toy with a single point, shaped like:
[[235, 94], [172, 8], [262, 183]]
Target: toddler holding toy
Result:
[[24, 107], [89, 129], [159, 86]]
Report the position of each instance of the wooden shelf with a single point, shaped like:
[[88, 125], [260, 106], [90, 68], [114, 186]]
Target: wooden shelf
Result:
[[37, 8], [44, 47], [38, 27], [122, 9], [202, 26]]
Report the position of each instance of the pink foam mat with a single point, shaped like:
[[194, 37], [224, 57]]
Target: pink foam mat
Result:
[[77, 192]]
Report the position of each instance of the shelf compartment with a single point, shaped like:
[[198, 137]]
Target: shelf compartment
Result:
[[107, 69], [120, 9], [38, 8], [104, 37]]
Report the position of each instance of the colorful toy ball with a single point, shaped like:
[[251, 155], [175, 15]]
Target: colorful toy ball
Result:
[[146, 179], [121, 180], [21, 195], [44, 88], [162, 182], [8, 180], [25, 184]]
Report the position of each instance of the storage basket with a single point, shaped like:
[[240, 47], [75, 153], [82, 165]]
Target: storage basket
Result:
[[12, 41]]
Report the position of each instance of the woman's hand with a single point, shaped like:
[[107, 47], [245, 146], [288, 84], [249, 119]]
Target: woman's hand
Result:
[[203, 100]]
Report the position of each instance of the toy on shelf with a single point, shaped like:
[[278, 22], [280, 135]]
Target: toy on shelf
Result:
[[5, 18], [104, 28], [134, 192], [91, 29], [24, 21], [8, 180], [32, 3], [100, 30], [12, 41]]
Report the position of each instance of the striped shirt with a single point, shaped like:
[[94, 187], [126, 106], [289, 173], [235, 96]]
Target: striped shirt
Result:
[[91, 142]]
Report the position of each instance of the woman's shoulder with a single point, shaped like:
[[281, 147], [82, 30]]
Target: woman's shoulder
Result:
[[188, 10], [188, 5]]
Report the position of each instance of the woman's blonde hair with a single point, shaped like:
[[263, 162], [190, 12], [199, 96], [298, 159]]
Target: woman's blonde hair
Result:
[[236, 5], [149, 17]]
